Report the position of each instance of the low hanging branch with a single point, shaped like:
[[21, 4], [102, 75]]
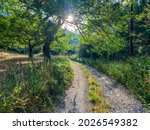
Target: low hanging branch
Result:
[[78, 28], [102, 28]]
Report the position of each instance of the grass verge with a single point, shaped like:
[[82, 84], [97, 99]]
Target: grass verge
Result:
[[95, 95], [38, 87]]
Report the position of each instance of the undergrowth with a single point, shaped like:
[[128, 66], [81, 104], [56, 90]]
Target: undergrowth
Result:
[[95, 94], [36, 87]]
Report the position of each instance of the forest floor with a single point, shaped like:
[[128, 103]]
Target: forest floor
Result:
[[119, 99]]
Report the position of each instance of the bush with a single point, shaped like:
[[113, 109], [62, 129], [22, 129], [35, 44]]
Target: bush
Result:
[[36, 87]]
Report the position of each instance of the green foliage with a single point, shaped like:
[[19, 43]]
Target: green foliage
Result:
[[107, 28], [133, 73], [105, 35], [142, 29], [61, 46], [35, 88], [20, 28]]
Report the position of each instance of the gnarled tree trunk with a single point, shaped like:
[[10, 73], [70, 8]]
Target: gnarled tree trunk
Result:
[[31, 51], [46, 50]]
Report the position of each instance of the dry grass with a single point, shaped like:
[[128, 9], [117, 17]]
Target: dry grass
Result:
[[8, 60]]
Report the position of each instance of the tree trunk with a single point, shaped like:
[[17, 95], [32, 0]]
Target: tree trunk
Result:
[[46, 50], [31, 51], [131, 30]]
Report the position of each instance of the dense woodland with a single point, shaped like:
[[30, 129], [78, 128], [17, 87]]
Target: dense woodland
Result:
[[112, 36]]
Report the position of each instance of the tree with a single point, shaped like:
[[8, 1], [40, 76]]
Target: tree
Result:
[[131, 28], [22, 26], [30, 32], [105, 25], [51, 14], [142, 26]]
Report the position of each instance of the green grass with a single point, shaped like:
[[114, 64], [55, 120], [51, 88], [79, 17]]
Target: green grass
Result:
[[133, 73], [36, 87], [95, 94]]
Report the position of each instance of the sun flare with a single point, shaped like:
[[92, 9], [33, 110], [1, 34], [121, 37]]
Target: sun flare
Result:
[[69, 24], [70, 18]]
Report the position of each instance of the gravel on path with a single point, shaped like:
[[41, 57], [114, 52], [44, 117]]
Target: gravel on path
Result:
[[119, 98], [75, 100]]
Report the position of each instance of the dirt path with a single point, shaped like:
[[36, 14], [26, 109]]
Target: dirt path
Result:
[[75, 99], [120, 100]]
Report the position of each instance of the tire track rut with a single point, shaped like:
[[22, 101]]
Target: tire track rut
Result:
[[75, 100]]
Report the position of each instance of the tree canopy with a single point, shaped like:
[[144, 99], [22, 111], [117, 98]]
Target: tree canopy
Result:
[[106, 27]]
